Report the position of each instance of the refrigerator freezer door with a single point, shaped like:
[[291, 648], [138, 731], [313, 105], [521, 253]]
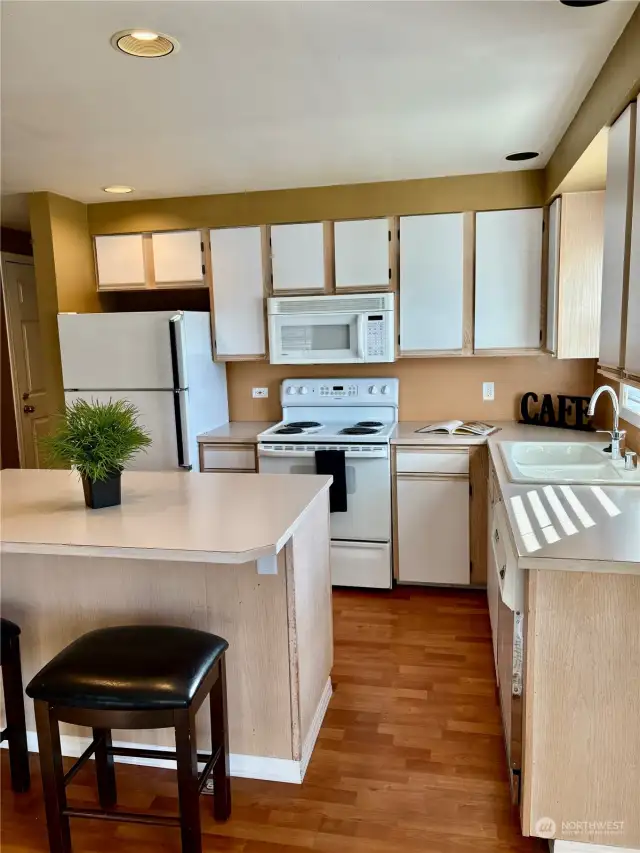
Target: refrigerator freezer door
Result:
[[116, 351], [157, 415]]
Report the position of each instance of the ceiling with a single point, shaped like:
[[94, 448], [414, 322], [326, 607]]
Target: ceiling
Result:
[[266, 95]]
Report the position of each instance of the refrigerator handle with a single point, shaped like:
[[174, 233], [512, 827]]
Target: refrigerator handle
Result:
[[178, 393], [178, 365]]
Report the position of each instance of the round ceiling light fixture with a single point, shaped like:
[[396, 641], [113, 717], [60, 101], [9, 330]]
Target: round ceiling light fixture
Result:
[[145, 43], [522, 155], [576, 4], [118, 189]]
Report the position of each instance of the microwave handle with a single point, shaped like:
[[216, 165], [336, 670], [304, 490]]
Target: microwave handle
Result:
[[361, 332]]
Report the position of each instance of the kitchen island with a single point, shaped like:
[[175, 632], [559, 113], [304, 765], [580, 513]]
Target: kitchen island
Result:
[[243, 556]]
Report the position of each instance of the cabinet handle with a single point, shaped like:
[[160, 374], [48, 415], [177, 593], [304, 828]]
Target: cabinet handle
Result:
[[503, 572]]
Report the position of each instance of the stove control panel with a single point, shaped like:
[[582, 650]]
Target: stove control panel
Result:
[[336, 392]]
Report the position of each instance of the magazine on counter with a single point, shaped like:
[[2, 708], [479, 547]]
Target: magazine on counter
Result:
[[460, 428]]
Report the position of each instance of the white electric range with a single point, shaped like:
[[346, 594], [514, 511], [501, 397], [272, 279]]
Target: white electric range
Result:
[[356, 416]]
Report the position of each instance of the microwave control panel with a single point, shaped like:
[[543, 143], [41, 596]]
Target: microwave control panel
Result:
[[375, 336]]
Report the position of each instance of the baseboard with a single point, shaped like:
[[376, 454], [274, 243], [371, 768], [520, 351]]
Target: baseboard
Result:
[[245, 766], [584, 847]]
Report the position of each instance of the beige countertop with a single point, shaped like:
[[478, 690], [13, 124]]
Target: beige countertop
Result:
[[235, 432], [212, 518]]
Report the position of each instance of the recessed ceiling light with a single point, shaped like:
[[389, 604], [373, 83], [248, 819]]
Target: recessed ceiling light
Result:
[[522, 155], [117, 188], [145, 43], [578, 3]]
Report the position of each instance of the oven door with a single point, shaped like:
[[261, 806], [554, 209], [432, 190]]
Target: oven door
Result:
[[316, 338], [368, 515]]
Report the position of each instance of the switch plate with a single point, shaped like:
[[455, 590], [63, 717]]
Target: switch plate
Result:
[[488, 392], [260, 392]]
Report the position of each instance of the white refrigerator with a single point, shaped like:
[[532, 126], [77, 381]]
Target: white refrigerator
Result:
[[161, 361]]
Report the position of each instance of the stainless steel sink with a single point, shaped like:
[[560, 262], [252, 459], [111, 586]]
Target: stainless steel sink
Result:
[[564, 462]]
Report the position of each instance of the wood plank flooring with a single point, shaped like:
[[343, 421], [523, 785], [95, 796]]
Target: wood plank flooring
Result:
[[410, 758]]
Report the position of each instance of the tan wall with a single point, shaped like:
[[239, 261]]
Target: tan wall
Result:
[[430, 389], [431, 195]]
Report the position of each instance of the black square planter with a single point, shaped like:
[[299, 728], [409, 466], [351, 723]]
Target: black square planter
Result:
[[102, 493]]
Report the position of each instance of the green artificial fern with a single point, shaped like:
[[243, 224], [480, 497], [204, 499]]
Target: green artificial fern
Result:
[[97, 439]]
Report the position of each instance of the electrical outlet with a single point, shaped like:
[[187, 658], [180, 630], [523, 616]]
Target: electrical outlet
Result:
[[260, 392], [488, 392]]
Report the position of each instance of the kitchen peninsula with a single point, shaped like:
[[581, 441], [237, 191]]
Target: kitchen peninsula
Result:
[[243, 556]]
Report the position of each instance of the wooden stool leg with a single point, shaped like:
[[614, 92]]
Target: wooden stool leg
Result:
[[14, 711], [105, 770], [55, 798], [188, 793], [220, 737]]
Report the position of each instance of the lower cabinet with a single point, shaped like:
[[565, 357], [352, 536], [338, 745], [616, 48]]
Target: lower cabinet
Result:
[[432, 507], [216, 458]]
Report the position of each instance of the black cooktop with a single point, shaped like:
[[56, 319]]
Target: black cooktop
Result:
[[369, 424], [289, 430], [358, 430], [303, 424]]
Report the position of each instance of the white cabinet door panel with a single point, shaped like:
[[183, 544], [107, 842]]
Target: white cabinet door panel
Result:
[[433, 530], [632, 361], [431, 282], [362, 253], [297, 253], [177, 257], [120, 260], [238, 291], [508, 279]]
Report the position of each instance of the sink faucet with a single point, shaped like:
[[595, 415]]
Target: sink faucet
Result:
[[616, 433]]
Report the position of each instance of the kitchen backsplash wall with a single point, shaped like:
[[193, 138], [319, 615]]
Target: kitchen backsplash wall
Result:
[[430, 389]]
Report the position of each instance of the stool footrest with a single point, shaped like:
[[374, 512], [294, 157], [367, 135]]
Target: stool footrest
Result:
[[125, 817]]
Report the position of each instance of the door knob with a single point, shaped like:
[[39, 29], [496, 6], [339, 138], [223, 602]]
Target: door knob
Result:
[[29, 409]]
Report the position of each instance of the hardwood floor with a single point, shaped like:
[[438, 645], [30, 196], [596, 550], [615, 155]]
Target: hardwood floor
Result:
[[410, 757]]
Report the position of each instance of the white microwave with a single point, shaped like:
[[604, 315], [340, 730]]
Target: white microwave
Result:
[[353, 329]]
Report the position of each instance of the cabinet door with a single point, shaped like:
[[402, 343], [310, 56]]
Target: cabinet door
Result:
[[632, 361], [493, 586], [617, 202], [553, 260], [508, 279], [433, 529], [120, 262], [431, 282], [177, 259], [362, 253], [238, 292], [297, 257]]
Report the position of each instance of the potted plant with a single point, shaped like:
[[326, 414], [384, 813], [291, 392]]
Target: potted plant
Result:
[[97, 439]]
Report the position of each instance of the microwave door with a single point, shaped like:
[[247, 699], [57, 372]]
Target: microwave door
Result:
[[317, 338]]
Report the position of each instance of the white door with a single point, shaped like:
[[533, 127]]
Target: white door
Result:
[[27, 361], [156, 414], [362, 253], [433, 529], [553, 268], [632, 361], [508, 279], [116, 351], [238, 292], [431, 282], [297, 257], [178, 259], [120, 262], [620, 157]]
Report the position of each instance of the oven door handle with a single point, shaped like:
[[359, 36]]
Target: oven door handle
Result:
[[267, 452]]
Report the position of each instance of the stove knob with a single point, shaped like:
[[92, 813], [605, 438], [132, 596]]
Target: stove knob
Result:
[[292, 390], [303, 390], [385, 389], [373, 389]]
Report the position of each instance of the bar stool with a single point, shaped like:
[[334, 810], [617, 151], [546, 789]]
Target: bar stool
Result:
[[134, 677], [16, 730]]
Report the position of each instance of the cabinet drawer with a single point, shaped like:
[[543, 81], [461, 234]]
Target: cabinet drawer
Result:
[[433, 461], [227, 457]]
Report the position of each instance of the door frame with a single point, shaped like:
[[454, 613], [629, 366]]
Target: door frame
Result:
[[9, 307]]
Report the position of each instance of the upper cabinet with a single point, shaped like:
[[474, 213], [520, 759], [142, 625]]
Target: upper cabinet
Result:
[[178, 259], [238, 293], [362, 254], [432, 274], [508, 280], [617, 240], [632, 361], [297, 258], [120, 262], [140, 261], [574, 279]]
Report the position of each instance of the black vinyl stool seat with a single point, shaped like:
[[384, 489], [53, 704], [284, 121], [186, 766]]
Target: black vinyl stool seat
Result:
[[134, 677], [16, 730]]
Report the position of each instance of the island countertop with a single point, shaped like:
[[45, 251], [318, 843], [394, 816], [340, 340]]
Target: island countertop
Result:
[[212, 518]]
